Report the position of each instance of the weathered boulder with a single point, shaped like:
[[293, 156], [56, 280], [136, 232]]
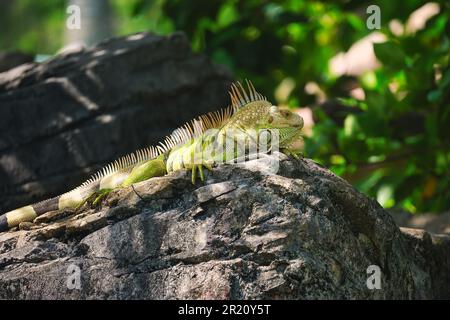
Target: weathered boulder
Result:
[[298, 233], [63, 119], [435, 223], [9, 60]]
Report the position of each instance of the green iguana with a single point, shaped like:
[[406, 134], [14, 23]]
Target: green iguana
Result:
[[211, 139]]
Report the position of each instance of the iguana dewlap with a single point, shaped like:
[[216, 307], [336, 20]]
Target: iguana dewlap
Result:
[[214, 138]]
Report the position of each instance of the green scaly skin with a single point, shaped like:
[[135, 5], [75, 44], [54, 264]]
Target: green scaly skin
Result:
[[192, 148]]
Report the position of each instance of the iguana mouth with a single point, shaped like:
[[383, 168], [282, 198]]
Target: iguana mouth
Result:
[[292, 125]]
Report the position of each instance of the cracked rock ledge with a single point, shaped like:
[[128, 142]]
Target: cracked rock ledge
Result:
[[245, 233]]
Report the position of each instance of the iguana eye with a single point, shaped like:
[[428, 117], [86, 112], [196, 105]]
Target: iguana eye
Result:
[[285, 113]]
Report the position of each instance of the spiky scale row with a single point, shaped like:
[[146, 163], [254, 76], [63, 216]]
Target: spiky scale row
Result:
[[239, 97], [124, 162]]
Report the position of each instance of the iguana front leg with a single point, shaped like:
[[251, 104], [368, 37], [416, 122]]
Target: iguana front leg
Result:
[[199, 167]]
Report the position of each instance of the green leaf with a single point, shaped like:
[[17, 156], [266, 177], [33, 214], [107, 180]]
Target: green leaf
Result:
[[434, 96], [390, 54], [351, 126], [227, 15]]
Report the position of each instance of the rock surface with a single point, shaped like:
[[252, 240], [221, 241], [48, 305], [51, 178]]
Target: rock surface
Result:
[[434, 223], [302, 233], [9, 60], [63, 119]]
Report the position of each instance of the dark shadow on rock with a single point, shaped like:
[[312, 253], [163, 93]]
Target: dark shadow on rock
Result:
[[9, 60]]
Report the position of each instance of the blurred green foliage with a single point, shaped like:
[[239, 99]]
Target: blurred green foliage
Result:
[[393, 145], [32, 26]]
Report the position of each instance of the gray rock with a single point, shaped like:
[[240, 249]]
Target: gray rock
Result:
[[435, 223], [302, 233], [63, 119], [9, 60]]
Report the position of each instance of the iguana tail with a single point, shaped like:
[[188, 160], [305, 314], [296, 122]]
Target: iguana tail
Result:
[[71, 199], [129, 169]]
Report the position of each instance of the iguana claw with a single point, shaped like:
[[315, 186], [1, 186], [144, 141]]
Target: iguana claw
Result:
[[199, 167]]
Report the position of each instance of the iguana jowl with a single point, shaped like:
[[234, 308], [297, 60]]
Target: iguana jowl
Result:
[[203, 142]]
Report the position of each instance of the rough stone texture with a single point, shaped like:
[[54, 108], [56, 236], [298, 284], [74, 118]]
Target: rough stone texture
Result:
[[435, 223], [9, 60], [301, 233], [62, 119]]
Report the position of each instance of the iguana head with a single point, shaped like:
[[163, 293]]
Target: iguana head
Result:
[[253, 111], [281, 118], [287, 123]]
